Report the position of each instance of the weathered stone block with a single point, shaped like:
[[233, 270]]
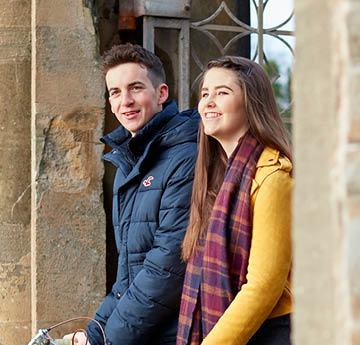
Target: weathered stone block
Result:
[[20, 333], [15, 199], [321, 223], [15, 13], [17, 239], [353, 263], [354, 100], [63, 13], [354, 132], [15, 139], [352, 171], [352, 21], [15, 116], [69, 226], [70, 253], [353, 206], [15, 291], [15, 103], [63, 79], [15, 43], [355, 336]]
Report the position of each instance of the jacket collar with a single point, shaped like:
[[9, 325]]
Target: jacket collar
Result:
[[165, 129], [153, 129], [121, 135], [268, 157]]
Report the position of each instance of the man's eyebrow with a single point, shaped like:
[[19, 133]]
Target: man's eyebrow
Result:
[[135, 83]]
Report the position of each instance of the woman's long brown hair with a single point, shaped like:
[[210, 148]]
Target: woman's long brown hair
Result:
[[264, 123]]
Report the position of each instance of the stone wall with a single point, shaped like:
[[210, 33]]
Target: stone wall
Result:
[[15, 115], [349, 113], [68, 228], [52, 223], [327, 165]]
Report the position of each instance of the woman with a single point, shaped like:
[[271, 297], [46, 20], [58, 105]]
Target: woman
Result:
[[238, 243]]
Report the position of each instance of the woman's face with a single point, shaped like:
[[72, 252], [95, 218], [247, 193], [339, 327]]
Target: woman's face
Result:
[[221, 108]]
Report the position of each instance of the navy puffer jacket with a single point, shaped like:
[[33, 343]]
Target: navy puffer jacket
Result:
[[151, 201]]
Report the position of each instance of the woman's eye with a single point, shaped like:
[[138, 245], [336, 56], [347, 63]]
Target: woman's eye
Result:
[[223, 93], [204, 95]]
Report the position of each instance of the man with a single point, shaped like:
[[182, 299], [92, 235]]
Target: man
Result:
[[154, 151]]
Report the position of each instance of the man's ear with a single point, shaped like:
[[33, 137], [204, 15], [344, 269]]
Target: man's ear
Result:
[[163, 93], [111, 104]]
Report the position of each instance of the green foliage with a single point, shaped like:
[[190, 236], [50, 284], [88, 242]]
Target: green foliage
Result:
[[282, 90]]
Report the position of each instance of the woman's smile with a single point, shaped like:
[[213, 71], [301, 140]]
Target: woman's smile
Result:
[[212, 115]]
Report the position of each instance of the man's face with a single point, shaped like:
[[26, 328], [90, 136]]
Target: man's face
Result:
[[132, 96]]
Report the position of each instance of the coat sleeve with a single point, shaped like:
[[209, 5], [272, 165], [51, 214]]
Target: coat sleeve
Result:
[[101, 316], [269, 265], [154, 295]]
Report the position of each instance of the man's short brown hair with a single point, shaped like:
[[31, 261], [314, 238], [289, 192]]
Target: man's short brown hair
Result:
[[128, 52]]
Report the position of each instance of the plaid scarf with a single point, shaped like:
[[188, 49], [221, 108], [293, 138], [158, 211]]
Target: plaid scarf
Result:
[[218, 268]]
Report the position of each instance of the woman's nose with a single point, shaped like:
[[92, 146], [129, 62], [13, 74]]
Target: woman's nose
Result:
[[210, 102]]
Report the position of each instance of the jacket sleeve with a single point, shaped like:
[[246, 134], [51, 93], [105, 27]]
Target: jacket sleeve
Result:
[[101, 316], [269, 264], [154, 295]]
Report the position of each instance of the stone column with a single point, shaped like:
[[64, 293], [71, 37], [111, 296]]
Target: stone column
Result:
[[349, 114], [15, 114], [68, 221], [327, 169]]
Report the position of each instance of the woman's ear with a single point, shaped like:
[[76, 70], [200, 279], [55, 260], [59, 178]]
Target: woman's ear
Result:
[[163, 93]]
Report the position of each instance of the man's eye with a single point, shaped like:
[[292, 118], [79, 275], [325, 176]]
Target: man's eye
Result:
[[114, 93], [136, 87]]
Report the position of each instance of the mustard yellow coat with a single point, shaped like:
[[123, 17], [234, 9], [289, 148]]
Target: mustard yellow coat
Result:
[[267, 291]]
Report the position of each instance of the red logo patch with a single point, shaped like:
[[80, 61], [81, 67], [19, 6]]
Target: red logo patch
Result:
[[147, 182]]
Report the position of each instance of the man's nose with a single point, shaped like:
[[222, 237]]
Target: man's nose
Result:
[[126, 98]]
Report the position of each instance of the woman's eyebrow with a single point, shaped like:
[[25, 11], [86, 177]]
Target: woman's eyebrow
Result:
[[219, 87]]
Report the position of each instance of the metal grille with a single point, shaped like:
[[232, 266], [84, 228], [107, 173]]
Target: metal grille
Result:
[[241, 30], [209, 29]]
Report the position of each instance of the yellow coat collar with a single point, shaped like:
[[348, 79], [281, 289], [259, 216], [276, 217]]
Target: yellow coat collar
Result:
[[270, 160]]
